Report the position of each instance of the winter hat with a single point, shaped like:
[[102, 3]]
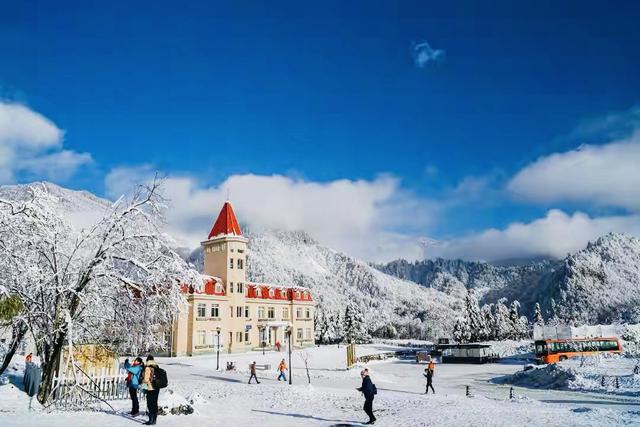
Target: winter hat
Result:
[[149, 357]]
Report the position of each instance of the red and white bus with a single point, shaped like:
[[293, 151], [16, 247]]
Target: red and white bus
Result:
[[552, 351]]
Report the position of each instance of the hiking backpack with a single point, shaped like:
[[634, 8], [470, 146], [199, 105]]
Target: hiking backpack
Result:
[[159, 379]]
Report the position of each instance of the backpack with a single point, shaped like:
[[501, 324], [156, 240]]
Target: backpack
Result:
[[159, 379], [375, 389]]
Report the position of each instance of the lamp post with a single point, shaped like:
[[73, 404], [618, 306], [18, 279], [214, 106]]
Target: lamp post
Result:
[[289, 331], [218, 349]]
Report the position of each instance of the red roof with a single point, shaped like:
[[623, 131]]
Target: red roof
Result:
[[226, 223]]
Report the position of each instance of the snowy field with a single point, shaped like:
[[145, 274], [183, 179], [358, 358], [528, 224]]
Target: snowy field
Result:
[[224, 398]]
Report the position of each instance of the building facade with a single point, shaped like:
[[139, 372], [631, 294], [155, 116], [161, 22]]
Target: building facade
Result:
[[227, 311]]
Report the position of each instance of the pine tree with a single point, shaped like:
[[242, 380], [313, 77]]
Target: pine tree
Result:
[[475, 321], [537, 315], [461, 333], [322, 326], [502, 324], [355, 330], [489, 321]]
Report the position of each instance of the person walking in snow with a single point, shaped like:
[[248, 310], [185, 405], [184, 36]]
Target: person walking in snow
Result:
[[428, 373], [133, 382], [369, 390], [282, 368], [252, 367], [152, 393]]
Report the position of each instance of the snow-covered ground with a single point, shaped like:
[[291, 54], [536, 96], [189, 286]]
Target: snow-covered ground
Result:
[[224, 398], [612, 375]]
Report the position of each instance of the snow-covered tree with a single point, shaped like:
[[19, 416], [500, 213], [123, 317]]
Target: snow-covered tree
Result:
[[461, 331], [336, 328], [355, 328], [489, 321], [519, 325], [115, 284], [322, 326], [502, 326], [475, 320], [538, 320]]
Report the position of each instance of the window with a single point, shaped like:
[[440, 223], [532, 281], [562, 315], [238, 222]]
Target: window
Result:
[[231, 311], [246, 311], [240, 288], [260, 312], [299, 334], [298, 313], [285, 313], [307, 313], [231, 263], [307, 333], [201, 338], [202, 310], [271, 313], [215, 310], [240, 251], [272, 293], [297, 294], [246, 336], [231, 287], [218, 288], [240, 264], [239, 311], [283, 293], [239, 336]]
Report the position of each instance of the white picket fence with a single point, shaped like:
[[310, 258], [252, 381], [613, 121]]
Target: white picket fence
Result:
[[90, 387]]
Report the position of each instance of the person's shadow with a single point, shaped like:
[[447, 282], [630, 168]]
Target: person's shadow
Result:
[[341, 423]]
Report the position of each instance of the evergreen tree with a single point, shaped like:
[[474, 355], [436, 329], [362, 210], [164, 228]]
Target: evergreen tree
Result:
[[502, 324], [489, 321], [519, 325], [475, 320], [538, 320], [355, 330], [461, 333], [322, 326]]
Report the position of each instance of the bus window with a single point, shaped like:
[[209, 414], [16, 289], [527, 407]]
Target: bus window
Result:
[[541, 348]]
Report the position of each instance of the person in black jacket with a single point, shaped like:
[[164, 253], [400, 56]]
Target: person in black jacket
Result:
[[428, 373], [369, 391]]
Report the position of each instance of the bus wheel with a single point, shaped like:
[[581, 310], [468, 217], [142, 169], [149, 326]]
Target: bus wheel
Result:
[[563, 358]]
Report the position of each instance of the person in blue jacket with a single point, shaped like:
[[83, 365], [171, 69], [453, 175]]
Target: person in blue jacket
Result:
[[369, 390], [133, 381]]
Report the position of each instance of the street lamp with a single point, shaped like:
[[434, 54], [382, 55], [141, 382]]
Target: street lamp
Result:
[[218, 349], [289, 331]]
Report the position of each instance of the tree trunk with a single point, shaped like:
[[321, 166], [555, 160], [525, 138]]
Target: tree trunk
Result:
[[50, 368], [18, 331]]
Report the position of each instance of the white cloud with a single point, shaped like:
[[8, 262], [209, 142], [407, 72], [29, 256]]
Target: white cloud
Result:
[[555, 235], [32, 144], [423, 54], [604, 175], [359, 217]]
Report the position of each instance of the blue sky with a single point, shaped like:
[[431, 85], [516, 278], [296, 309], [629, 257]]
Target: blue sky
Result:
[[332, 91]]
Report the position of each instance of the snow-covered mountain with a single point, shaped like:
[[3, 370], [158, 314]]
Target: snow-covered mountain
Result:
[[599, 284]]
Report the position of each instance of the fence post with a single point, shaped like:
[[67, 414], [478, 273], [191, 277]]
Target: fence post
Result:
[[602, 381], [468, 392], [617, 382], [511, 393]]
